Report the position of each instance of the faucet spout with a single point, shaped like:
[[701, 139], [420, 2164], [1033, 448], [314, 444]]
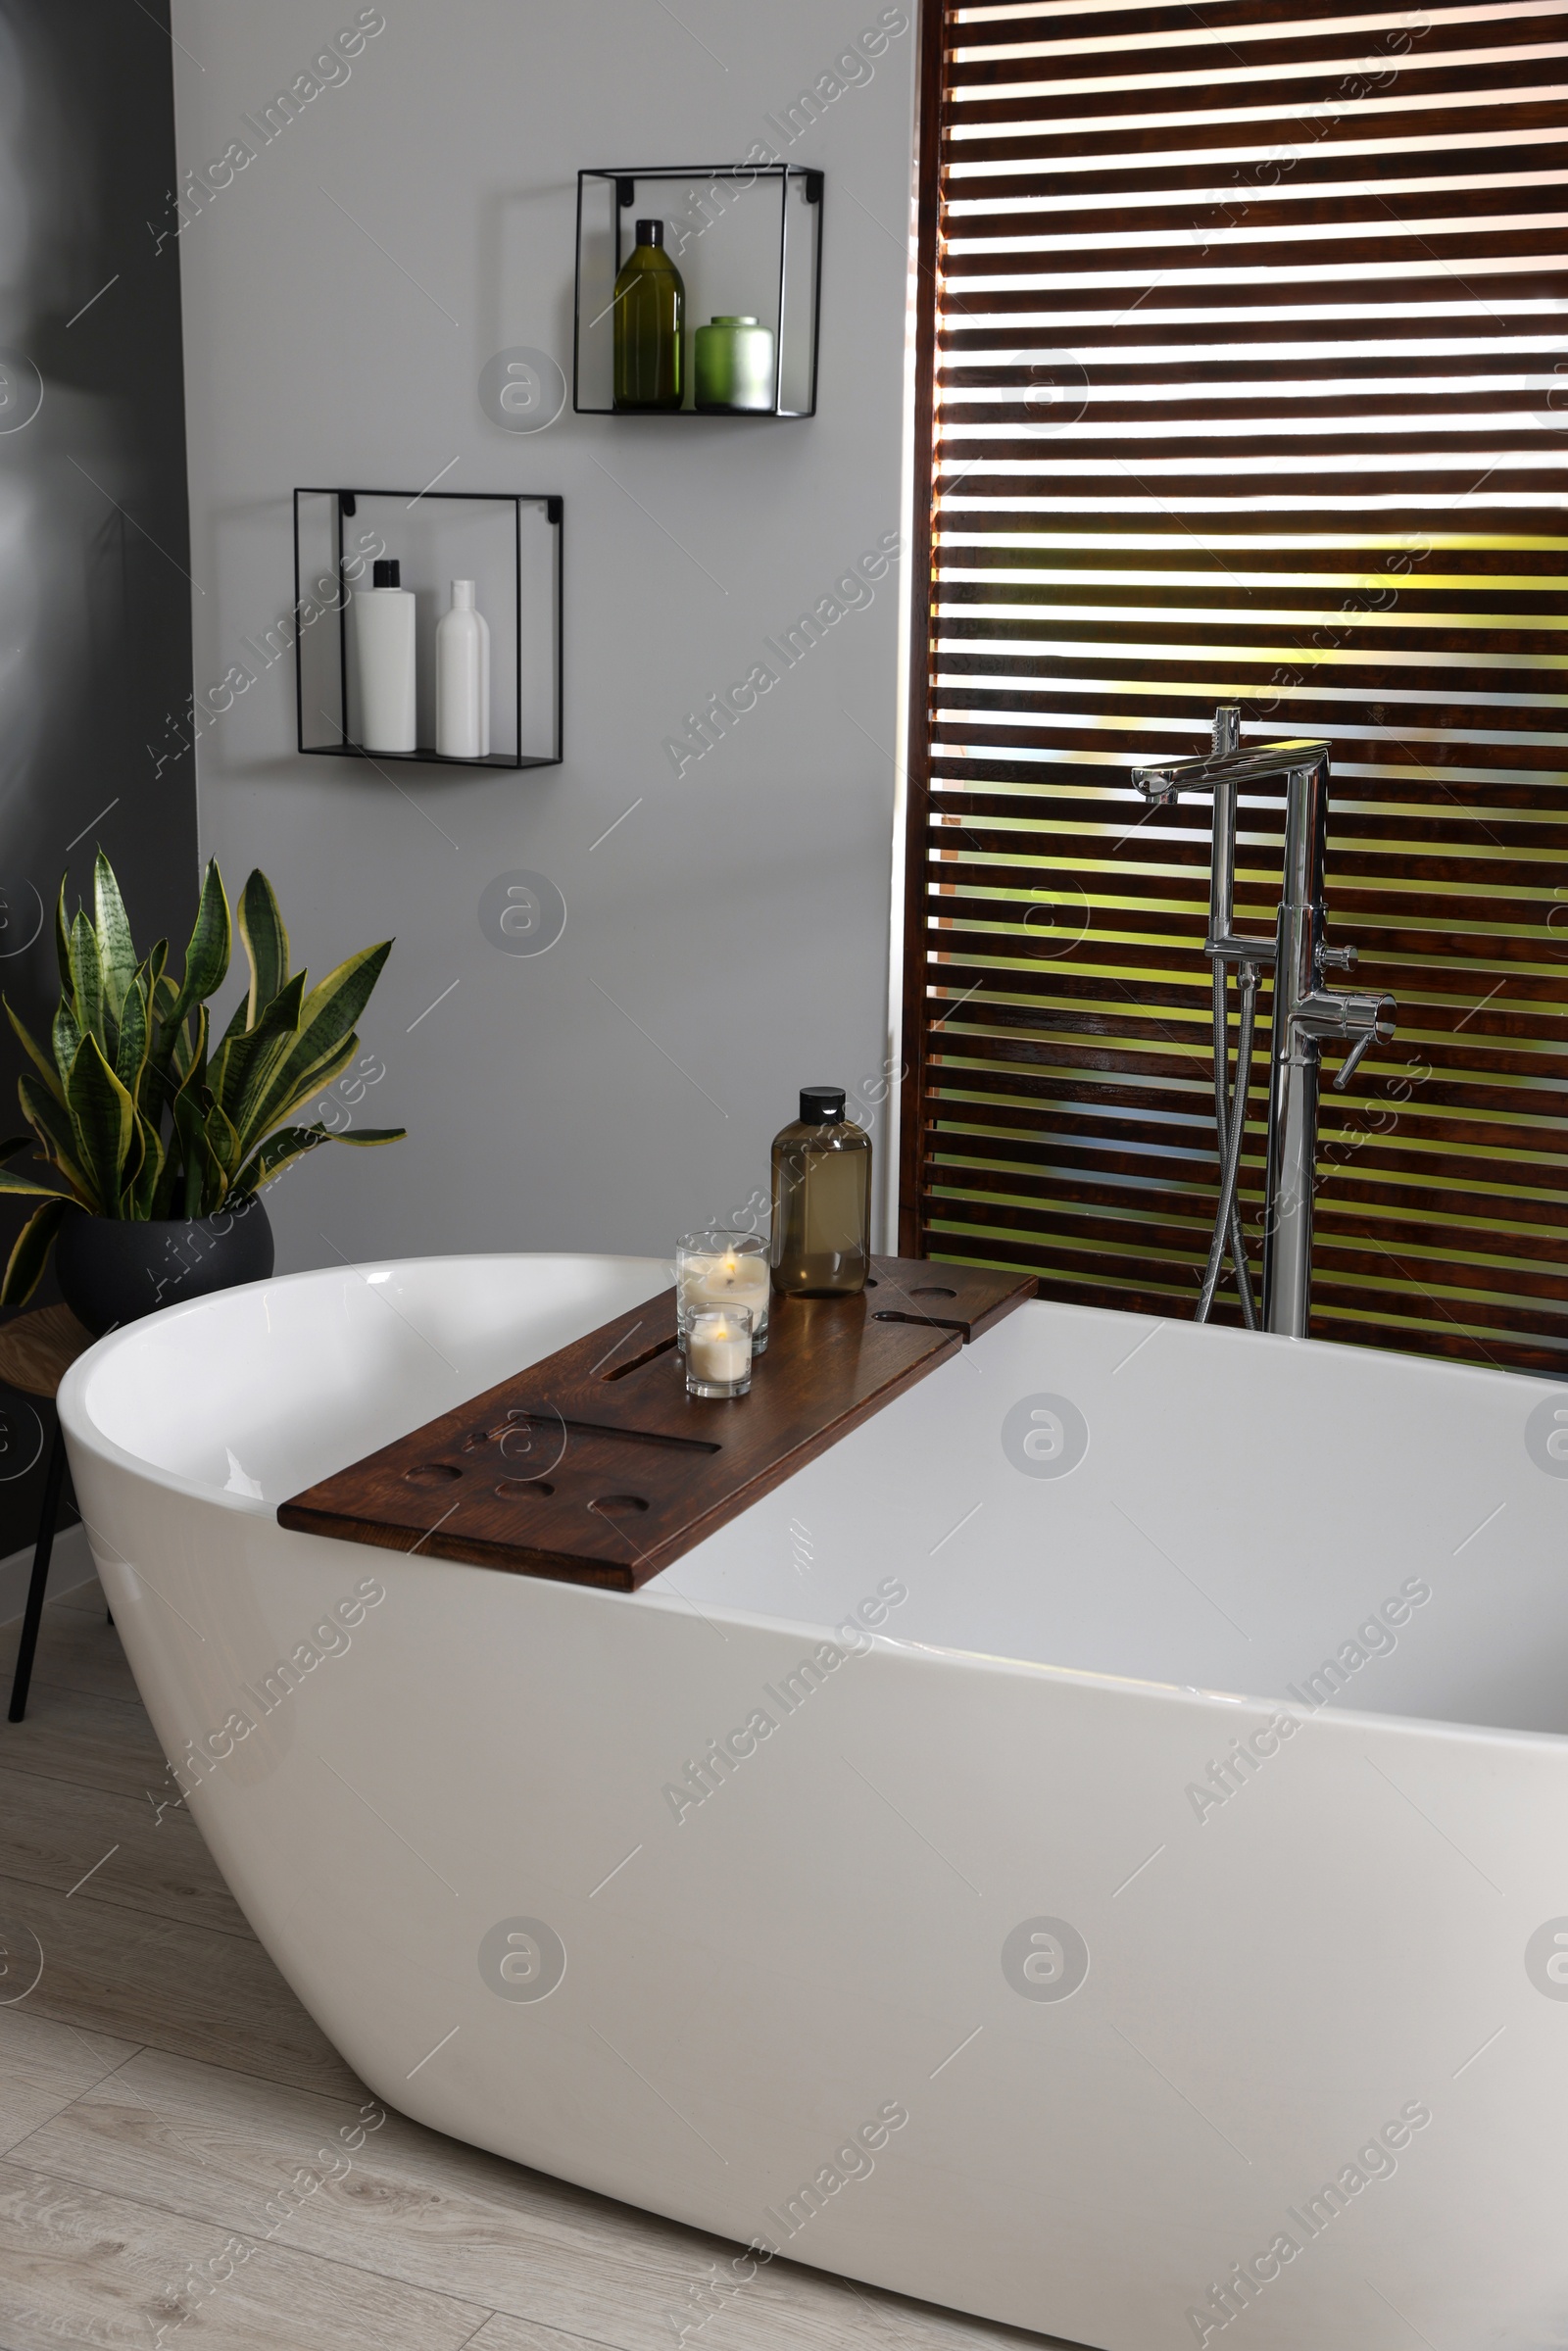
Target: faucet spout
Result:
[[1164, 780]]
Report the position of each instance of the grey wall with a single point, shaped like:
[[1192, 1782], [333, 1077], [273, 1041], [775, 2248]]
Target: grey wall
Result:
[[728, 940], [94, 595]]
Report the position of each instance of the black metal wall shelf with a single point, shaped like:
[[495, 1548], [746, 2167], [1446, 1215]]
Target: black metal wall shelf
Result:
[[436, 536], [730, 229]]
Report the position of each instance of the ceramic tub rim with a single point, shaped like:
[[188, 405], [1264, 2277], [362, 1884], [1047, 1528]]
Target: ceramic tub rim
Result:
[[82, 1429], [78, 1424]]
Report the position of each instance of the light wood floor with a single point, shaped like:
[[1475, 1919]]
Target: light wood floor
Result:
[[160, 2083]]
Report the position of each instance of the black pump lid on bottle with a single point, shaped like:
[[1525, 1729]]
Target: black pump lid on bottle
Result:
[[821, 1106], [388, 572], [650, 232]]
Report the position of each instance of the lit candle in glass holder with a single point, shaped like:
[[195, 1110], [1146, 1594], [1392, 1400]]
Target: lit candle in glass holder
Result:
[[718, 1351], [721, 1269]]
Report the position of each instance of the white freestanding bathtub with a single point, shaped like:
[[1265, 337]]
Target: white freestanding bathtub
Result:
[[1092, 1849]]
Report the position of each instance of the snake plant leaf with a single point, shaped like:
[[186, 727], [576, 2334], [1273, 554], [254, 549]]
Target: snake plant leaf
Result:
[[243, 1067], [131, 1165], [168, 1039], [11, 1182], [17, 1142], [260, 926], [207, 955], [103, 1120], [289, 1144], [130, 1051], [310, 1084], [236, 1023], [32, 1252], [86, 980], [65, 1037], [203, 1180], [116, 949], [150, 973], [279, 1152], [223, 1139], [143, 1192], [314, 1079], [327, 1024], [51, 1122], [35, 1053], [311, 1081], [63, 938], [194, 1080], [188, 1057]]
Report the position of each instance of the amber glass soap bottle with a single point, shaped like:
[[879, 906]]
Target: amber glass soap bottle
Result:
[[821, 1201]]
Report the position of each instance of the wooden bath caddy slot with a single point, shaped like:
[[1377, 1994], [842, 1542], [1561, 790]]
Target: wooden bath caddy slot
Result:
[[596, 1467]]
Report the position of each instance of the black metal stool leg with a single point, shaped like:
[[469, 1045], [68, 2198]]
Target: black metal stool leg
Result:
[[54, 1478]]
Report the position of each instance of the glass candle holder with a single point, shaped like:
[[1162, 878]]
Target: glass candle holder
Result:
[[718, 1351], [734, 367], [722, 1269]]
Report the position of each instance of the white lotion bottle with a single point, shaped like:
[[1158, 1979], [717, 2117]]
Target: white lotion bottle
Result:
[[384, 636], [462, 679]]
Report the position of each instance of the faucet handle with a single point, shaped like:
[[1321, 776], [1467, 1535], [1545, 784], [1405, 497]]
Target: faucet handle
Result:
[[1337, 959], [1370, 1020], [1346, 1068]]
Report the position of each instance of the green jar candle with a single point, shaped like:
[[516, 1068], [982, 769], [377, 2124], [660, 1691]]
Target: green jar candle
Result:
[[734, 366]]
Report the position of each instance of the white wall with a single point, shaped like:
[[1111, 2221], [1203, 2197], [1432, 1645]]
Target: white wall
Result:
[[729, 940]]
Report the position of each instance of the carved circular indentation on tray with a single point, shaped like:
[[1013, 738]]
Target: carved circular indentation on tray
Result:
[[618, 1505], [519, 1490], [432, 1473], [933, 1292], [476, 1441]]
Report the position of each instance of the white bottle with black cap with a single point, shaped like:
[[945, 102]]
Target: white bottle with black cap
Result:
[[383, 641]]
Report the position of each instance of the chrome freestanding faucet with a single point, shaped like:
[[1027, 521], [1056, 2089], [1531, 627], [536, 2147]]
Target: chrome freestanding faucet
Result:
[[1305, 1013]]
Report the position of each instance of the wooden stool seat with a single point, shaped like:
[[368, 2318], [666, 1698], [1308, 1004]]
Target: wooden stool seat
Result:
[[36, 1351]]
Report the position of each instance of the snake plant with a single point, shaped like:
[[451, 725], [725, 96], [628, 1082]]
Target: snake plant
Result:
[[133, 1107]]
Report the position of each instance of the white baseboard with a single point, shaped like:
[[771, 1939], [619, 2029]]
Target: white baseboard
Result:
[[70, 1566]]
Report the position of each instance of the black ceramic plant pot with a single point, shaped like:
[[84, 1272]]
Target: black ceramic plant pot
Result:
[[113, 1270]]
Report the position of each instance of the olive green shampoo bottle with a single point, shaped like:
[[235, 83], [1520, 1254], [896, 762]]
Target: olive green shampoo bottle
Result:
[[649, 322], [821, 1201]]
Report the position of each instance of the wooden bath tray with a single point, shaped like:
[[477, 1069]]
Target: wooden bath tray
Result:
[[596, 1467]]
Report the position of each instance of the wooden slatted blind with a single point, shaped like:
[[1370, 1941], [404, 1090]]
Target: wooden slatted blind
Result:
[[1244, 380]]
